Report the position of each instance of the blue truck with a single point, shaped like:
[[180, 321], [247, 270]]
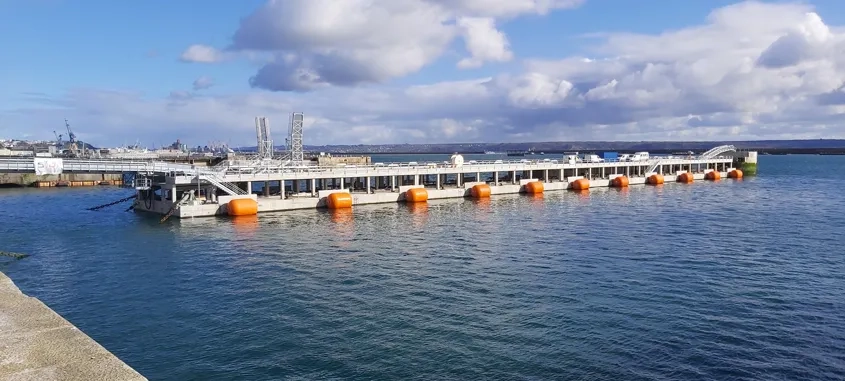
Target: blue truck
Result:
[[609, 156]]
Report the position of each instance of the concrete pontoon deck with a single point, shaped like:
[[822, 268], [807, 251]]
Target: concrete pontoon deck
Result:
[[284, 187]]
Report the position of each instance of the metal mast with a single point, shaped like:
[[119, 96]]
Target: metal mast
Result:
[[296, 149], [265, 143]]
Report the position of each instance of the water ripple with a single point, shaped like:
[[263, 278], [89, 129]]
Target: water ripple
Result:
[[728, 280]]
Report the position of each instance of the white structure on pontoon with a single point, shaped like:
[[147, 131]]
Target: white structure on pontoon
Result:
[[288, 182]]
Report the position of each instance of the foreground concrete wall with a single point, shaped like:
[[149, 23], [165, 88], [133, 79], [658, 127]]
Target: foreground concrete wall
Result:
[[27, 179], [38, 344]]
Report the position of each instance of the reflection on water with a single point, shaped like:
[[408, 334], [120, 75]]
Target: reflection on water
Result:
[[482, 203], [342, 216], [419, 213], [573, 285], [536, 201], [536, 197], [583, 194], [417, 207], [343, 224], [245, 226]]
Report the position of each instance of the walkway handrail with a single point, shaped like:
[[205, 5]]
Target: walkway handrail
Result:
[[716, 151]]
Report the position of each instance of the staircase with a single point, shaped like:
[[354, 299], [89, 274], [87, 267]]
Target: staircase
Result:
[[654, 167], [227, 187]]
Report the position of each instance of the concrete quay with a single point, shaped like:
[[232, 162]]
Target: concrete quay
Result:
[[65, 179], [39, 345]]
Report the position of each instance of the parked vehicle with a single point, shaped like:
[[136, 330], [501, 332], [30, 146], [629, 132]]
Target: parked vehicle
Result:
[[640, 156], [591, 159], [610, 156]]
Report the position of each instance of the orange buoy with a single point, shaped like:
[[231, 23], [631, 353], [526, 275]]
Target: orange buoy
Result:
[[735, 174], [685, 177], [655, 179], [712, 175], [534, 187], [242, 207], [480, 191], [416, 195], [581, 184], [620, 182], [340, 200]]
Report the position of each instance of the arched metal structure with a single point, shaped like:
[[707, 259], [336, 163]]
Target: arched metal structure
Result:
[[716, 151]]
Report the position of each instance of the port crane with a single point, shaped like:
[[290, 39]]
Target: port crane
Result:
[[59, 143], [71, 139]]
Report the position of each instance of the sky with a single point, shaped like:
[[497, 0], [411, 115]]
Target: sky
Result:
[[422, 71]]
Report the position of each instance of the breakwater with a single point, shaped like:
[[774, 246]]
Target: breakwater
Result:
[[38, 344]]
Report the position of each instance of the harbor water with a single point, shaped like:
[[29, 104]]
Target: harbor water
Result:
[[727, 280]]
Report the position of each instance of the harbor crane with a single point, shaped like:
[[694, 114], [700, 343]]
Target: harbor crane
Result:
[[59, 142], [72, 140]]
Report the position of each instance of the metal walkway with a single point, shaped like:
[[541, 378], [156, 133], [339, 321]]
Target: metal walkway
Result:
[[716, 151], [27, 165]]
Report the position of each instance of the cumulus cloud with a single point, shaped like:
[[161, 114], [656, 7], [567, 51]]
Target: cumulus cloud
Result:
[[483, 42], [202, 54], [316, 43], [751, 70], [203, 83]]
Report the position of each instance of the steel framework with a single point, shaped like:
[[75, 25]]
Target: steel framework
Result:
[[295, 147], [265, 142]]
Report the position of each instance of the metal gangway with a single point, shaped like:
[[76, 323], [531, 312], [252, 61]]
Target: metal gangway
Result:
[[142, 167], [717, 151]]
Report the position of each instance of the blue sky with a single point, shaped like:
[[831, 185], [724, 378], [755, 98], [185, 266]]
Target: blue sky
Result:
[[52, 47]]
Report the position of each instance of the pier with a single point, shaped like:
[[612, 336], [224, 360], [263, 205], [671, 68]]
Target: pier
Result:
[[264, 185], [38, 344], [54, 171]]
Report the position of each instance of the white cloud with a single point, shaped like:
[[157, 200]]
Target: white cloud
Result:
[[203, 83], [483, 42], [317, 43], [751, 70], [509, 8], [202, 54]]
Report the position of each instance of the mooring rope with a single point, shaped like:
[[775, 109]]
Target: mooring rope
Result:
[[112, 203], [131, 206]]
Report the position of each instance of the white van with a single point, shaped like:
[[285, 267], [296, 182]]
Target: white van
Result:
[[640, 156], [591, 159]]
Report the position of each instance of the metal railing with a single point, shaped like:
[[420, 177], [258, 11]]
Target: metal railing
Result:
[[143, 183], [227, 187], [252, 167], [481, 165], [716, 151]]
